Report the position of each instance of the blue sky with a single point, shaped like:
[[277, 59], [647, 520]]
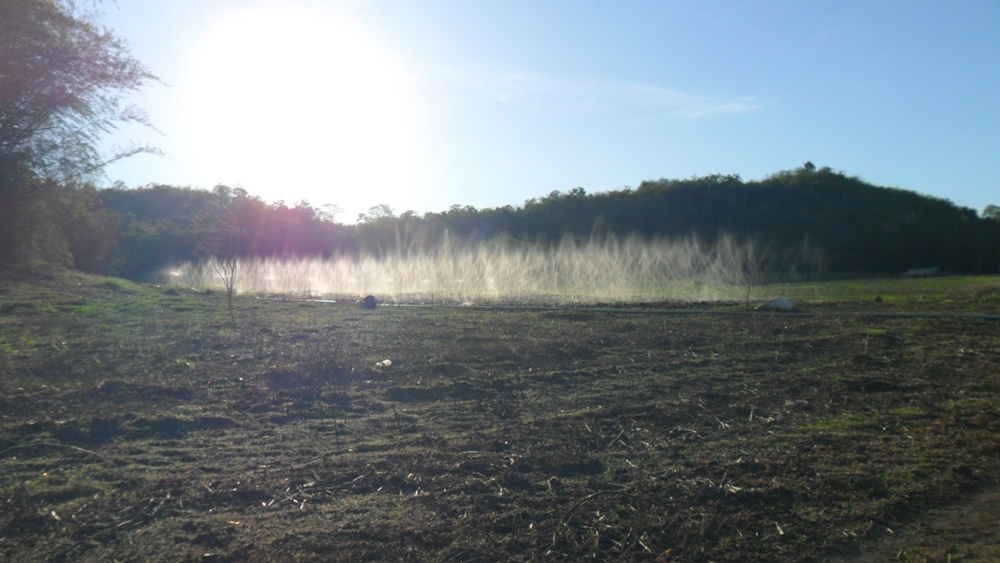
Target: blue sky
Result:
[[427, 104]]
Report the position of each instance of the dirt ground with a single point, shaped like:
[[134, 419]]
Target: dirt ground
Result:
[[143, 423]]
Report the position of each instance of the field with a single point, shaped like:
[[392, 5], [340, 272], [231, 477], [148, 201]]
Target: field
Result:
[[146, 423]]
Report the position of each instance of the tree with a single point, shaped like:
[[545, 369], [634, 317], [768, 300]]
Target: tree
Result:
[[330, 212], [224, 241], [62, 81], [992, 212], [378, 213]]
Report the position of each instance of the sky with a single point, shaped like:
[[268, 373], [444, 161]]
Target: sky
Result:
[[424, 105]]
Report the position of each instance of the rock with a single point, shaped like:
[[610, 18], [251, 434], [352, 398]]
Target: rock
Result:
[[368, 302], [778, 304]]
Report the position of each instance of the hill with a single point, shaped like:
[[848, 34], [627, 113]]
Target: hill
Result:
[[855, 227]]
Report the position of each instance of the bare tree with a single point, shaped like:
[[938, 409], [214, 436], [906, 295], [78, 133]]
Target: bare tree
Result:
[[223, 241], [330, 212], [226, 268]]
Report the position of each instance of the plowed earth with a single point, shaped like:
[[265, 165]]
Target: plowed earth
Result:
[[141, 423]]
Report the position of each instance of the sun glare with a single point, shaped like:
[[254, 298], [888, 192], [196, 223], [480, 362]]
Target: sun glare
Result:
[[295, 102]]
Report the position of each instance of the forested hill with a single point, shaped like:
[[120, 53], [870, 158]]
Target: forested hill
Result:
[[842, 222], [859, 227], [850, 225]]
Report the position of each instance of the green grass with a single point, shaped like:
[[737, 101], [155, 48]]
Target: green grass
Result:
[[981, 293]]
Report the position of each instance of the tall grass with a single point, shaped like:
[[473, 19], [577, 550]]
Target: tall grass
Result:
[[619, 269]]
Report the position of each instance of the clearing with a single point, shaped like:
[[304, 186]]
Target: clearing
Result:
[[141, 423]]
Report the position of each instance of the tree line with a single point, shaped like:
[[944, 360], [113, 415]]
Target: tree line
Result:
[[848, 225]]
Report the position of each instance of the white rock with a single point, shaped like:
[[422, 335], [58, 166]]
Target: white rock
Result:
[[778, 304]]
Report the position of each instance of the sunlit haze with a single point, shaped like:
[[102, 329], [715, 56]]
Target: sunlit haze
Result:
[[297, 103], [423, 105]]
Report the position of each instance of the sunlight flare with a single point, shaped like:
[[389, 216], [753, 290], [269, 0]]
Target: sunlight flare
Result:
[[298, 99]]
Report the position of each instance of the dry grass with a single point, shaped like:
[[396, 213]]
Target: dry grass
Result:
[[141, 423]]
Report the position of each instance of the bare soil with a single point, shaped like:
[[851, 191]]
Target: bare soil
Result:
[[142, 423]]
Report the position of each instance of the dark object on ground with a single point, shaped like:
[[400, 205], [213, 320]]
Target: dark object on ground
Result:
[[368, 302], [922, 272]]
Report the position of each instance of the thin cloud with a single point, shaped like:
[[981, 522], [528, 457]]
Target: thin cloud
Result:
[[682, 103], [712, 107], [552, 95]]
